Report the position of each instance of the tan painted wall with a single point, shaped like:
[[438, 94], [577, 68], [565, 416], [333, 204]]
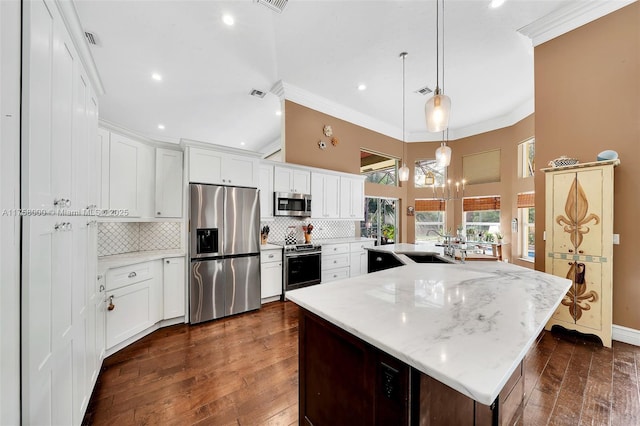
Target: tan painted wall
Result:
[[303, 130], [507, 140], [587, 100]]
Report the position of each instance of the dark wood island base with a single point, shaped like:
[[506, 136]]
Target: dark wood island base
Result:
[[346, 381]]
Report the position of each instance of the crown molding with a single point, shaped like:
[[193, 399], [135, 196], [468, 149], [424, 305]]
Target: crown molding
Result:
[[72, 21], [569, 18], [311, 100], [185, 143], [112, 127], [271, 148]]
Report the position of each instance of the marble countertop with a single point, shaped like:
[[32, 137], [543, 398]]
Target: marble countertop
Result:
[[117, 260], [342, 240], [466, 325]]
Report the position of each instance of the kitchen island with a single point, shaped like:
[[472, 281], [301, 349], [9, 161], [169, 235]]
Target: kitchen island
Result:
[[421, 344]]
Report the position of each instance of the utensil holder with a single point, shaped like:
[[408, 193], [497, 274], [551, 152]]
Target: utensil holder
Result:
[[263, 238], [307, 238]]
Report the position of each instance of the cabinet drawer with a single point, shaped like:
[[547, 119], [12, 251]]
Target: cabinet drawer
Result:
[[333, 262], [331, 249], [270, 256], [131, 274], [335, 274], [361, 245]]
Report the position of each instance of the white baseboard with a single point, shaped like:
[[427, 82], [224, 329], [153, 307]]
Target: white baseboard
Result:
[[625, 334]]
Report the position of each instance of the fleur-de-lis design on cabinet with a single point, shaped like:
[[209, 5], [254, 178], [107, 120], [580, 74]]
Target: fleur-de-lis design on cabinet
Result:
[[577, 297], [577, 219]]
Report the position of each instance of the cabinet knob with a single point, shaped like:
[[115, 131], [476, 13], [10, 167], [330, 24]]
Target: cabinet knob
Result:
[[270, 256], [570, 250], [159, 213], [580, 251], [111, 306], [168, 261], [133, 274]]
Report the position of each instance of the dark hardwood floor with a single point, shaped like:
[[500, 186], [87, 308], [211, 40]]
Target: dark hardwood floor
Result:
[[243, 370]]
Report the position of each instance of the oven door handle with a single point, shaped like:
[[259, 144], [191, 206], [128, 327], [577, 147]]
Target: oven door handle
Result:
[[299, 254]]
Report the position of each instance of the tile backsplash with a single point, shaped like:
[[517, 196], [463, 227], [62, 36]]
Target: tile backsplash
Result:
[[127, 237], [322, 229]]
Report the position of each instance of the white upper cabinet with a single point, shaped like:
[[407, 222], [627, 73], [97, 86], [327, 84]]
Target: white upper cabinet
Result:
[[325, 191], [146, 180], [124, 166], [266, 191], [287, 179], [222, 168], [168, 183], [351, 198]]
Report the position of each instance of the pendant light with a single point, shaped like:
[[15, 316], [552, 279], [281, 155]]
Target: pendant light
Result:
[[443, 153], [403, 172], [438, 107]]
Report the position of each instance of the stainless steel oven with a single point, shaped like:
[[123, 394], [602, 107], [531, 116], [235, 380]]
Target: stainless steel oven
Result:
[[302, 266]]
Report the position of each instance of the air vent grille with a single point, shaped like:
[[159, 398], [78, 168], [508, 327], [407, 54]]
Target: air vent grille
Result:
[[91, 38], [257, 93], [424, 90], [275, 5]]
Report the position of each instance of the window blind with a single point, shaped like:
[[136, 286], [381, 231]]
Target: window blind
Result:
[[430, 206], [481, 203], [526, 199]]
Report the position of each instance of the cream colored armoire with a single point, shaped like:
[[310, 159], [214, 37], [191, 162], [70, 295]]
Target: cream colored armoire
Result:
[[579, 244]]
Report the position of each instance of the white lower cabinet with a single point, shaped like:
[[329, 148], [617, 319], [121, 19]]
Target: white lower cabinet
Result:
[[358, 257], [335, 262], [173, 287], [134, 307], [271, 273]]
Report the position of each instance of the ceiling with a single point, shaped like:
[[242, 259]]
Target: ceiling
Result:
[[320, 48]]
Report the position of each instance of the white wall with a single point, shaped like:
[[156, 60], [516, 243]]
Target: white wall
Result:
[[10, 225]]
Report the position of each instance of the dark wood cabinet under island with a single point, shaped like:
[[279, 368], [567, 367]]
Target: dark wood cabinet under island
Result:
[[421, 344]]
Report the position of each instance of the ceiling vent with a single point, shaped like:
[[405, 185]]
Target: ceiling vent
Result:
[[257, 93], [275, 5], [424, 90], [91, 38]]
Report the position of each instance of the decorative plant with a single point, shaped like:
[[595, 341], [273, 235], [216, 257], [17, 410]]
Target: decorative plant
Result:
[[471, 233], [489, 237], [499, 236], [389, 231]]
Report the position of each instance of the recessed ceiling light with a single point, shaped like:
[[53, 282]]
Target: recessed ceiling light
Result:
[[161, 126], [228, 19], [156, 76], [242, 143], [362, 86], [278, 113], [496, 3]]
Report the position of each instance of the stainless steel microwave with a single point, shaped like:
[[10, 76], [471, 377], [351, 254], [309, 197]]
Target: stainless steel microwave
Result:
[[291, 204]]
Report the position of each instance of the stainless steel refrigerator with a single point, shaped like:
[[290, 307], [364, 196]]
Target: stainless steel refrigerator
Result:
[[224, 250]]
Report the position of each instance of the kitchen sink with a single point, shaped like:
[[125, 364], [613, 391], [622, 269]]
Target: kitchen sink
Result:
[[426, 258]]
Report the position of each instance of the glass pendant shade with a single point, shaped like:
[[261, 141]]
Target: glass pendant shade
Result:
[[443, 156], [403, 173], [437, 111]]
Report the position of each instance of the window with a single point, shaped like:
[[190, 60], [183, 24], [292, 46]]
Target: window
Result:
[[426, 167], [379, 168], [526, 158], [429, 216], [527, 217], [481, 218], [380, 220]]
